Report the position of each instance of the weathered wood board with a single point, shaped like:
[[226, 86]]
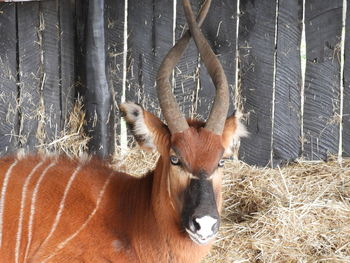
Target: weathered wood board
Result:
[[323, 23], [220, 29], [114, 30], [256, 49], [30, 72], [287, 102], [141, 70], [99, 104], [8, 79], [67, 48], [187, 70], [162, 37], [51, 90]]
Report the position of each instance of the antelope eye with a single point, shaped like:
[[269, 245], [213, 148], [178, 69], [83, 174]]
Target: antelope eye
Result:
[[174, 160], [221, 163]]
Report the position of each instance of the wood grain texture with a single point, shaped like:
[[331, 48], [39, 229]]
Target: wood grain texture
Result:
[[287, 117], [150, 30], [220, 30], [163, 42], [51, 90], [8, 78], [30, 72], [186, 71], [323, 20], [256, 48], [81, 10], [98, 96], [114, 30], [346, 107], [141, 51], [67, 57]]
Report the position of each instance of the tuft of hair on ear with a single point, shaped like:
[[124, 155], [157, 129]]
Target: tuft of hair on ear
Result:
[[134, 116], [241, 130], [234, 130]]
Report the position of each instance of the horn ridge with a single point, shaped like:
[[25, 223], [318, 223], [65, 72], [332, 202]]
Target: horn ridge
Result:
[[170, 109], [218, 113]]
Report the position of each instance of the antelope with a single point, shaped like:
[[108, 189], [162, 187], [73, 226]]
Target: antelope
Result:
[[56, 209]]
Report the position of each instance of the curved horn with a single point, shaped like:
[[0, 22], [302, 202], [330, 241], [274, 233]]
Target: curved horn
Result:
[[218, 113], [170, 109]]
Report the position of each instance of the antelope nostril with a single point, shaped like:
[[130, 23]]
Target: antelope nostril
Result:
[[194, 225]]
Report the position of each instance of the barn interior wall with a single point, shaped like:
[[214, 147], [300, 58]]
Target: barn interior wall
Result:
[[50, 52]]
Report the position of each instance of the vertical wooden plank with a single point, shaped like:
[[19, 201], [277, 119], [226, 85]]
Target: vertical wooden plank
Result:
[[346, 108], [150, 39], [8, 78], [98, 98], [81, 9], [67, 56], [141, 52], [114, 28], [187, 71], [220, 30], [163, 40], [30, 72], [287, 119], [256, 50], [323, 23], [51, 90]]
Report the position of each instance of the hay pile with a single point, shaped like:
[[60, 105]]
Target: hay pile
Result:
[[72, 141], [299, 213]]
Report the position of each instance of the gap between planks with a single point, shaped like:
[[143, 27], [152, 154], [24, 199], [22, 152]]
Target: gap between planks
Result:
[[123, 130], [303, 72], [342, 61], [274, 85]]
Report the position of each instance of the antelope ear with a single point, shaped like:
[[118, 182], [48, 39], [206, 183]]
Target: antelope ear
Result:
[[233, 131], [148, 130]]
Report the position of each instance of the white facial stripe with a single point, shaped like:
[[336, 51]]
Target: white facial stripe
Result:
[[206, 224]]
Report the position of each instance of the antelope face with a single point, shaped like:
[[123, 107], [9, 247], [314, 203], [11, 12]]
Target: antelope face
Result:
[[195, 182], [191, 166], [191, 151]]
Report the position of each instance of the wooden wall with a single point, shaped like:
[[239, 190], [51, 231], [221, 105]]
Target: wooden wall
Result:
[[110, 50]]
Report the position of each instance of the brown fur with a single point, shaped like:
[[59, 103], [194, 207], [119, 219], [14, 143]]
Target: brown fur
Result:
[[130, 225], [198, 149], [137, 219]]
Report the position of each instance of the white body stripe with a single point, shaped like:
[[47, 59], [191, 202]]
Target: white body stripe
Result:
[[98, 201], [3, 195], [32, 207], [61, 207], [23, 201]]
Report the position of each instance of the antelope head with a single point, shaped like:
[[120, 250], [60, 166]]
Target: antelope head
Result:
[[192, 152]]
